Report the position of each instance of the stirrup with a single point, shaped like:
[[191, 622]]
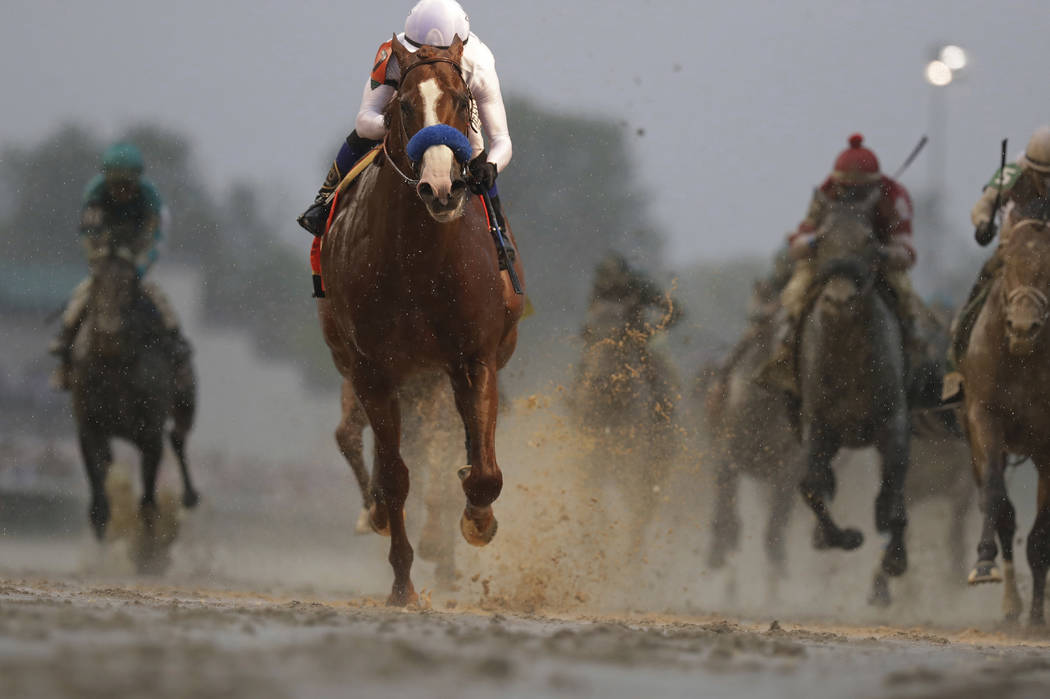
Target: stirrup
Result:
[[952, 392], [315, 218]]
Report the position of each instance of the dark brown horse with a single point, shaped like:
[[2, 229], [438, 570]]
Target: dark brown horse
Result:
[[125, 385], [413, 283], [1006, 371]]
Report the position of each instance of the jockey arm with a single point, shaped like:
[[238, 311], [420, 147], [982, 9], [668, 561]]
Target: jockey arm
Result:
[[893, 217], [983, 211], [802, 242]]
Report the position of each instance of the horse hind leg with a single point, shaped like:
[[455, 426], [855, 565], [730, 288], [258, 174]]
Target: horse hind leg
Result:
[[348, 436], [725, 527], [1038, 548], [183, 413], [391, 482], [477, 400]]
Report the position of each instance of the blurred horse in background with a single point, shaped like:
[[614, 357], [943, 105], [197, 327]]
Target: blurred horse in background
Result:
[[623, 400], [1006, 409], [124, 385], [852, 377], [749, 434]]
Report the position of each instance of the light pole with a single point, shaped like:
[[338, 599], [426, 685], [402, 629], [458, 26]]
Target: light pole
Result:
[[944, 66]]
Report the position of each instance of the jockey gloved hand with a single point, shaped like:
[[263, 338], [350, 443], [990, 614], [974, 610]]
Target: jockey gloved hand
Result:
[[482, 174], [984, 232]]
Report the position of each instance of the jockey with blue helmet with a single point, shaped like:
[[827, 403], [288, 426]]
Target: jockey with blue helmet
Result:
[[430, 23], [119, 207]]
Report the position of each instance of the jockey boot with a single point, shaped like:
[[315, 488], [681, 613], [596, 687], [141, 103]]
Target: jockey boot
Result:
[[778, 373], [62, 347], [179, 348], [315, 218]]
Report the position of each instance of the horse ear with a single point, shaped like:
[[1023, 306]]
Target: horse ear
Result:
[[455, 49], [403, 55]]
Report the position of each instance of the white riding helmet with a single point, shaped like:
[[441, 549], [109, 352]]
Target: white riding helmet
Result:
[[1037, 154], [436, 22]]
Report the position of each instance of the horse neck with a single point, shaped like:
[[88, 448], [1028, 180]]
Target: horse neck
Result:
[[105, 321]]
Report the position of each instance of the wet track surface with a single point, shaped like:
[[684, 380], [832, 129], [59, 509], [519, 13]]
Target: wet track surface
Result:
[[83, 638]]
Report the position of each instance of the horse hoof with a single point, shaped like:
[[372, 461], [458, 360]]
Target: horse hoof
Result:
[[364, 523], [880, 592], [402, 597], [190, 499], [894, 562], [850, 539], [380, 524], [475, 536], [985, 572], [463, 473]]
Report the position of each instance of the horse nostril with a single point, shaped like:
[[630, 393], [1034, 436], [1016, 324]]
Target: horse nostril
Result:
[[458, 186], [425, 190]]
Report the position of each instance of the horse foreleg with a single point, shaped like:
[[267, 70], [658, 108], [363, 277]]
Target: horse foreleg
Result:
[[151, 448], [819, 483], [1039, 546], [986, 449], [477, 400], [351, 445], [890, 513], [390, 485], [97, 457], [183, 411]]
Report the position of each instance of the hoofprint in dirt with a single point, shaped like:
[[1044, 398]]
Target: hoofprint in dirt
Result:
[[125, 639]]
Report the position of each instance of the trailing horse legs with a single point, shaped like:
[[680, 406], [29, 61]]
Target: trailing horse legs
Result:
[[390, 485], [190, 496], [819, 483], [1039, 547], [477, 399], [97, 458], [725, 529], [351, 446], [890, 513]]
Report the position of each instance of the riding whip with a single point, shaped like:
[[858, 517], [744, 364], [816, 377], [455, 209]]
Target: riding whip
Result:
[[911, 157], [985, 233], [501, 244]]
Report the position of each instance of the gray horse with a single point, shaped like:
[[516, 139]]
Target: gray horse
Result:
[[748, 434], [124, 385], [852, 379]]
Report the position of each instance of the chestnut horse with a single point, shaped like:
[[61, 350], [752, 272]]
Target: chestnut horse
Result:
[[413, 282], [1006, 372]]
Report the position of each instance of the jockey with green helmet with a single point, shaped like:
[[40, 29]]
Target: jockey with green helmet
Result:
[[1023, 190], [430, 23], [119, 206]]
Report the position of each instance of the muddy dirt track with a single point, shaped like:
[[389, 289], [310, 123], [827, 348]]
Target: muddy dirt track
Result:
[[270, 595], [80, 638]]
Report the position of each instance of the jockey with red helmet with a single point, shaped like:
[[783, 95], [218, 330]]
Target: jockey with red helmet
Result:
[[430, 23], [855, 176]]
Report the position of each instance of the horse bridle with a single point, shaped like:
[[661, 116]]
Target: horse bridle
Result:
[[474, 119], [1032, 294]]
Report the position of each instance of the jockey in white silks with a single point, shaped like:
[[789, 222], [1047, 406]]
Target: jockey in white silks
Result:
[[430, 23]]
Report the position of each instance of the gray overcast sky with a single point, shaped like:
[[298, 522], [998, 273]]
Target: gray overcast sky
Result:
[[762, 99]]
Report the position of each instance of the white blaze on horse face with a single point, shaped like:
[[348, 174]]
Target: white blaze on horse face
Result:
[[437, 160]]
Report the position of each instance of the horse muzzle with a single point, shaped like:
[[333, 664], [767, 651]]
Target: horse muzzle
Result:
[[443, 196], [839, 295], [1026, 315]]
